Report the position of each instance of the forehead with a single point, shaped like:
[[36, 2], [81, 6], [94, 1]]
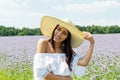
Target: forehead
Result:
[[62, 28]]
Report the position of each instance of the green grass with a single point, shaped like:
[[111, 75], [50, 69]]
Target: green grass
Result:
[[14, 70], [16, 74], [102, 71], [110, 74], [27, 74]]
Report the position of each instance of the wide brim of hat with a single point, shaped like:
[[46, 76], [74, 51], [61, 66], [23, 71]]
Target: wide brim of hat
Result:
[[49, 23]]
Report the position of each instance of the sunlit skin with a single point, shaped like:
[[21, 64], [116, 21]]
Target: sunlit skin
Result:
[[60, 35]]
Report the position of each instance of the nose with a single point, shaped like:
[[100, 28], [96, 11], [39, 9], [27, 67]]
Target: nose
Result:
[[59, 34]]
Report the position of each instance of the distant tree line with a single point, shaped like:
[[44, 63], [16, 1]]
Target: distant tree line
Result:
[[11, 31], [100, 29]]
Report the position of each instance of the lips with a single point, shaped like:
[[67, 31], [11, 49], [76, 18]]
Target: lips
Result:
[[57, 37]]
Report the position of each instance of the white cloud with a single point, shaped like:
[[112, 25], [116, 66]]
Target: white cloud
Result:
[[93, 7], [13, 13], [15, 9], [12, 8], [56, 0], [102, 22], [3, 20], [36, 14], [8, 4], [20, 13]]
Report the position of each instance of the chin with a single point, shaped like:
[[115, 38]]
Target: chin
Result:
[[57, 40]]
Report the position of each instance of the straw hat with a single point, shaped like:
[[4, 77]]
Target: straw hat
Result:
[[49, 23]]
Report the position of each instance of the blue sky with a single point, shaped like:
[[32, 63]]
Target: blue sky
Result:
[[28, 13]]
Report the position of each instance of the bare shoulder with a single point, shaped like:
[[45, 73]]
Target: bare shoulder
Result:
[[41, 45], [42, 41]]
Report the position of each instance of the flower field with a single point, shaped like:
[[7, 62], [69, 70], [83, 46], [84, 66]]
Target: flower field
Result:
[[16, 57]]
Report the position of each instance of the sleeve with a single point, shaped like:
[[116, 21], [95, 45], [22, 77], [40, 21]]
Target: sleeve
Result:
[[77, 70], [40, 70]]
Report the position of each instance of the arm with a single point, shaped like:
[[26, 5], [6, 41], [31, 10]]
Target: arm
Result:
[[85, 60], [51, 76]]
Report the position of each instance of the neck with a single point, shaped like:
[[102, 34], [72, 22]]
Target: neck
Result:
[[58, 44], [58, 47]]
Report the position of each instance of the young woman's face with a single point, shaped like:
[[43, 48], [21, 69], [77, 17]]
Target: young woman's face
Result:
[[60, 34]]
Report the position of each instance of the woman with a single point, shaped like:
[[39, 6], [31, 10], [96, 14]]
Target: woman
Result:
[[55, 58]]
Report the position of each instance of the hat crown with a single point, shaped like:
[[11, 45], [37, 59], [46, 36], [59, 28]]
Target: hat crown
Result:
[[67, 21]]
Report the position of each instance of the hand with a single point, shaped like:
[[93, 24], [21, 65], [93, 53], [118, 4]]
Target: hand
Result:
[[51, 76], [89, 37]]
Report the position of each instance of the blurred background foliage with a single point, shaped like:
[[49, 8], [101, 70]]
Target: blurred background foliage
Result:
[[12, 31]]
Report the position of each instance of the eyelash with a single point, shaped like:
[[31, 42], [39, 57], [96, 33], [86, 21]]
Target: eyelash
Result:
[[64, 33]]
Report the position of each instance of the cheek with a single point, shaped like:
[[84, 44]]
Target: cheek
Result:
[[64, 37], [55, 33]]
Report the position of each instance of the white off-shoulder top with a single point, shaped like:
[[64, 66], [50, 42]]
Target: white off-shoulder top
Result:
[[44, 63]]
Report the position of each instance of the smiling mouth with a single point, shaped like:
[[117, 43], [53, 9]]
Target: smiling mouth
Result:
[[56, 37]]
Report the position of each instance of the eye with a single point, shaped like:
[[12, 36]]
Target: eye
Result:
[[64, 32]]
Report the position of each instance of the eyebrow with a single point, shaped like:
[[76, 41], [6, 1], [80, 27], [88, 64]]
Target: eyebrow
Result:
[[62, 27]]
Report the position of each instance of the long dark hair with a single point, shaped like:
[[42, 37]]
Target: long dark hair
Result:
[[67, 49]]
